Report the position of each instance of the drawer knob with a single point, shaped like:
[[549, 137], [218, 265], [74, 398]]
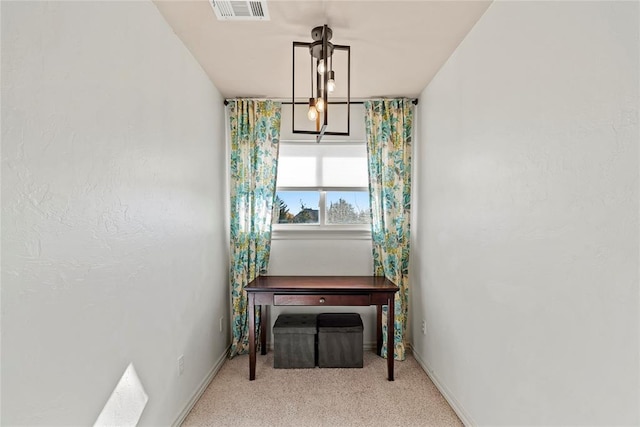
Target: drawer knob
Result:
[[322, 300]]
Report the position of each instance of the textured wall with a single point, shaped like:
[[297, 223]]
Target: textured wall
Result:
[[113, 221], [526, 239]]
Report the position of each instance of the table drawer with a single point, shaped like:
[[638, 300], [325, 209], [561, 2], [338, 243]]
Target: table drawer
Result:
[[319, 299]]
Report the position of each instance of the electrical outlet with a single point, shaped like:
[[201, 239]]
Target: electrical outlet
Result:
[[181, 364], [221, 323], [424, 327]]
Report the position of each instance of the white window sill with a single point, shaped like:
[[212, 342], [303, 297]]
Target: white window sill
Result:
[[316, 232]]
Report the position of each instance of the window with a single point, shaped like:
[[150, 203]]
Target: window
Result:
[[322, 187], [297, 207], [347, 207]]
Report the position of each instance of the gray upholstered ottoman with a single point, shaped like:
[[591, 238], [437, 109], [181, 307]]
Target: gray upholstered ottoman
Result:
[[339, 340], [294, 337]]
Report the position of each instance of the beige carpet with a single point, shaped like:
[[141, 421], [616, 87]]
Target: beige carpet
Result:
[[321, 397]]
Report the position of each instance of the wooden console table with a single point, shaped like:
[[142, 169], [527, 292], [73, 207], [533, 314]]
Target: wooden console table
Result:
[[320, 290]]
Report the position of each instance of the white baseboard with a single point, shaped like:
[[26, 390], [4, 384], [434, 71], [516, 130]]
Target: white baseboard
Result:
[[448, 396], [201, 388]]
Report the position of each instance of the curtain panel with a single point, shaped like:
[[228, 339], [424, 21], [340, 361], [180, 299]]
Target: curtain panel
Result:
[[389, 125], [255, 132]]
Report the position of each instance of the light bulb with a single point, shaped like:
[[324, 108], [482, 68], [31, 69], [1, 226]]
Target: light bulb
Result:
[[321, 67], [312, 114], [320, 105], [331, 84]]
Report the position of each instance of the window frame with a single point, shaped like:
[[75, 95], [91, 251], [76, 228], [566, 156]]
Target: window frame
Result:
[[322, 230]]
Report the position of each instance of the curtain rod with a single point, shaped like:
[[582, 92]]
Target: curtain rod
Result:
[[414, 101]]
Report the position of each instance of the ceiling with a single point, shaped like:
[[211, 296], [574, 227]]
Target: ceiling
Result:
[[397, 47]]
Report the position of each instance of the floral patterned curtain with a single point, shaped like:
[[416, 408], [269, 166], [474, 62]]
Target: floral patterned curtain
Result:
[[389, 129], [255, 132]]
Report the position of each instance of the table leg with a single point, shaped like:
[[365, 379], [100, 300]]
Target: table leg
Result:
[[390, 336], [379, 331], [264, 321], [252, 337]]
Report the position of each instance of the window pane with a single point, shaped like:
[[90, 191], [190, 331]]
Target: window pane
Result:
[[317, 165], [296, 207], [297, 170], [345, 166], [348, 207]]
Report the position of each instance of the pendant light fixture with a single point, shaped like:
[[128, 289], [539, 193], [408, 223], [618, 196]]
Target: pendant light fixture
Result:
[[322, 81]]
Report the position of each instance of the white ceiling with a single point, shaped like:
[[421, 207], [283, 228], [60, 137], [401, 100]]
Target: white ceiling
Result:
[[397, 47]]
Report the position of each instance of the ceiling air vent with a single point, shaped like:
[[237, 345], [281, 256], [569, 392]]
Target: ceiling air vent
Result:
[[241, 10]]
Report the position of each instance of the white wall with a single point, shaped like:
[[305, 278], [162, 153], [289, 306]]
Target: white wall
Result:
[[113, 220], [526, 241]]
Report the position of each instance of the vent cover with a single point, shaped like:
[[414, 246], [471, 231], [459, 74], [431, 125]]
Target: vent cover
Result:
[[241, 10]]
